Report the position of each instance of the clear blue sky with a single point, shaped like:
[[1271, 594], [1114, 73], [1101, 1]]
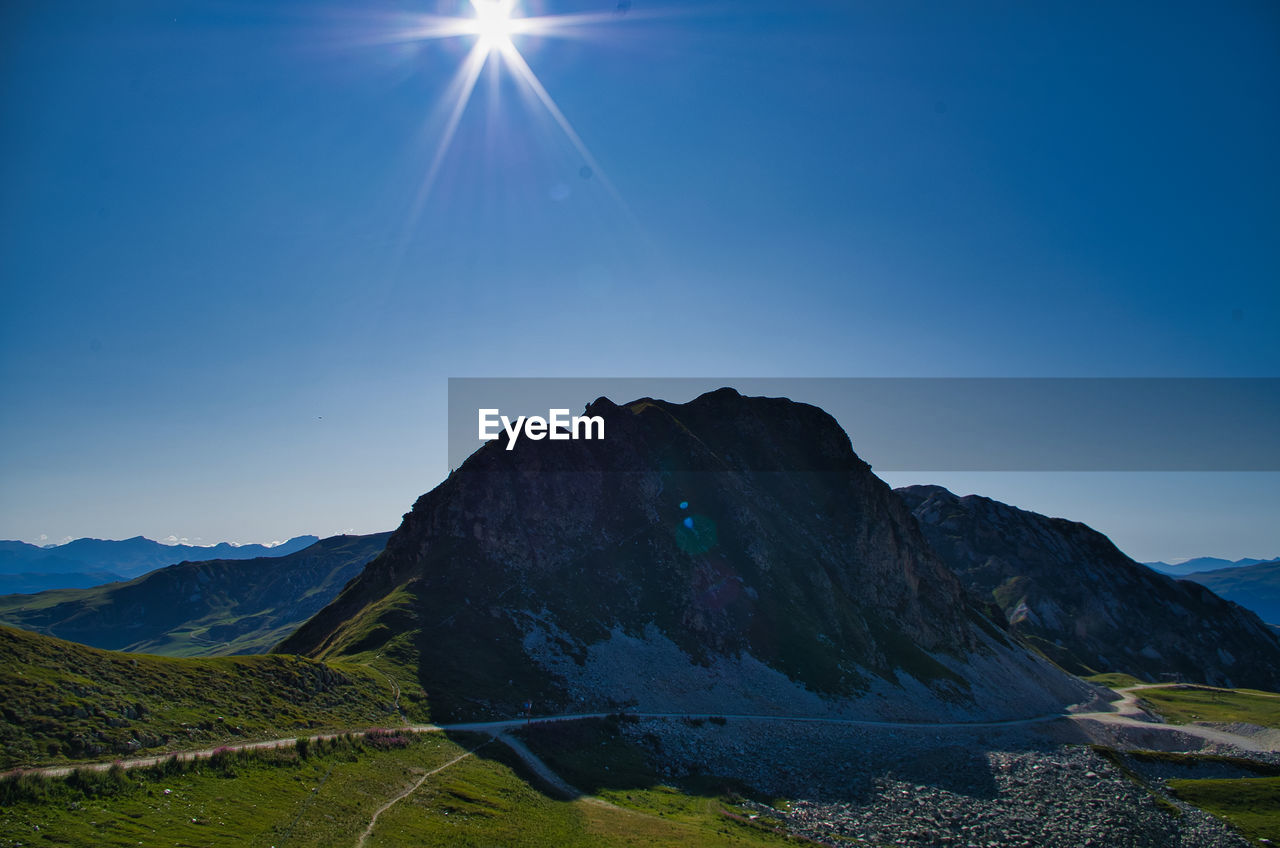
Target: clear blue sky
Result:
[[226, 316]]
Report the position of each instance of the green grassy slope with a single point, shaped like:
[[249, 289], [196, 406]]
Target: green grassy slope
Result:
[[60, 701], [1251, 805], [1115, 680], [1186, 704], [329, 794]]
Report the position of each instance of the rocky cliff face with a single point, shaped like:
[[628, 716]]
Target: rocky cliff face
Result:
[[731, 553], [1070, 591]]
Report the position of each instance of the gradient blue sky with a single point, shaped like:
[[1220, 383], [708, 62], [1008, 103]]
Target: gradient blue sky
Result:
[[224, 319]]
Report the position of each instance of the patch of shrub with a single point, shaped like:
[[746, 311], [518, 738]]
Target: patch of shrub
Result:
[[382, 739], [223, 761], [26, 786]]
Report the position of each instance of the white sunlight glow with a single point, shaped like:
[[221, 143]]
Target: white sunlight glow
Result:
[[493, 26]]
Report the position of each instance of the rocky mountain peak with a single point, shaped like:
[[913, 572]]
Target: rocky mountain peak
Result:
[[732, 539]]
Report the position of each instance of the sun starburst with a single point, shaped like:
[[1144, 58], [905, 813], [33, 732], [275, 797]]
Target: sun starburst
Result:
[[495, 25]]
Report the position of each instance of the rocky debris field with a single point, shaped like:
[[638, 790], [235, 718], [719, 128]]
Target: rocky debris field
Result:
[[1068, 797], [989, 788]]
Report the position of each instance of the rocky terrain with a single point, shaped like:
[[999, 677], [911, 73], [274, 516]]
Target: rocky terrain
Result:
[[726, 538], [990, 788], [1069, 591]]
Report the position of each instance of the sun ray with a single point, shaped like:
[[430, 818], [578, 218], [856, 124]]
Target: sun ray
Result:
[[463, 83], [526, 75], [563, 25], [414, 28]]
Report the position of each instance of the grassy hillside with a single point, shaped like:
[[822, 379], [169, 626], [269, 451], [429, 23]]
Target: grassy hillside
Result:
[[1186, 704], [1251, 805], [1115, 680], [61, 702], [210, 608], [328, 794]]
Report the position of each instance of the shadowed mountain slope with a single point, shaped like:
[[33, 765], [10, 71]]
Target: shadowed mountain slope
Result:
[[1072, 593]]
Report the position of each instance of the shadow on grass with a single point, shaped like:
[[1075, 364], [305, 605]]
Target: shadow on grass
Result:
[[597, 758], [494, 749]]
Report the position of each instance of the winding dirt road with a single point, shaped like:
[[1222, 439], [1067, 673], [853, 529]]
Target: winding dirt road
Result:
[[1125, 712], [1129, 713]]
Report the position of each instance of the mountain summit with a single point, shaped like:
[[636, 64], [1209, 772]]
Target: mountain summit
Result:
[[1065, 587], [728, 554]]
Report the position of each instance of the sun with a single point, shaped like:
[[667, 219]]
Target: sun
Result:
[[493, 24]]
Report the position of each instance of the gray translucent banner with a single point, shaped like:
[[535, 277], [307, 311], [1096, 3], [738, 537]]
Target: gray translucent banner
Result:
[[959, 424]]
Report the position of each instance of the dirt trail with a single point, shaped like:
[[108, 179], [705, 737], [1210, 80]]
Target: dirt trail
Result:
[[413, 787], [395, 690]]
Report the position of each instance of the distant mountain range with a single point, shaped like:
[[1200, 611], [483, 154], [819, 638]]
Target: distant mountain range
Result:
[[92, 562], [1256, 587], [1199, 564], [1065, 588], [208, 608]]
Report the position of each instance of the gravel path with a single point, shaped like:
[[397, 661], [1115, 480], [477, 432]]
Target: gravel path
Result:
[[1126, 711], [541, 769]]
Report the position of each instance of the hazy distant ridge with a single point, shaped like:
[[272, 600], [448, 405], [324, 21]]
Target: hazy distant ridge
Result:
[[91, 562], [1255, 587], [1198, 564]]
